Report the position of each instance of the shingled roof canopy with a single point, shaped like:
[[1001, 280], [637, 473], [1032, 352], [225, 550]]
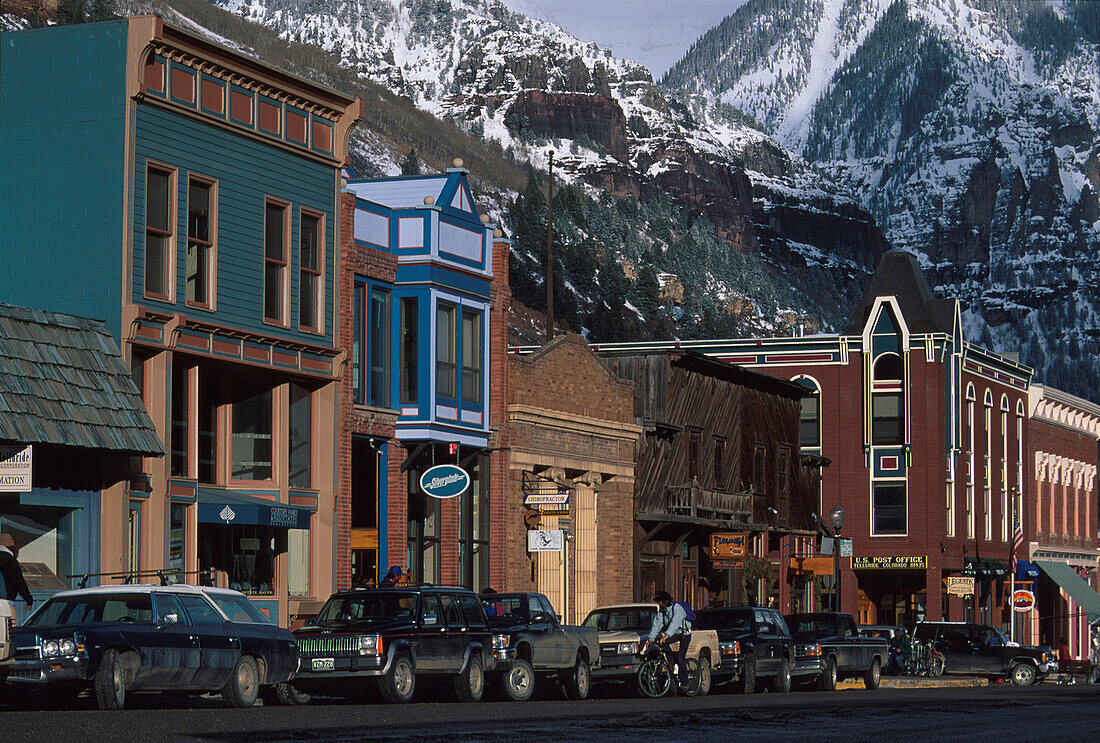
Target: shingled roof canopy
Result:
[[899, 275], [63, 381]]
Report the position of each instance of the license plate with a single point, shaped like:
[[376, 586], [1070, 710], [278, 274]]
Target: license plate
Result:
[[324, 664]]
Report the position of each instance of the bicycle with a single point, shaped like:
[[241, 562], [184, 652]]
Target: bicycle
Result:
[[925, 659], [657, 675]]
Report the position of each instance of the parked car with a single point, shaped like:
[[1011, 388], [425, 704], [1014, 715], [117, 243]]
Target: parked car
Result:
[[754, 644], [828, 649], [897, 642], [385, 638], [121, 640], [529, 641], [982, 650], [622, 627]]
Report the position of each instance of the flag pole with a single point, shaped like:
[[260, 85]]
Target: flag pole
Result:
[[1012, 565]]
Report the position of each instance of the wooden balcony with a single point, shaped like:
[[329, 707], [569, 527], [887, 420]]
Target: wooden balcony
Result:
[[698, 502]]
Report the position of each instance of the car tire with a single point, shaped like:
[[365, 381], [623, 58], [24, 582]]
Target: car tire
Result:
[[705, 678], [469, 685], [827, 680], [873, 675], [110, 681], [518, 682], [782, 681], [747, 683], [243, 687], [1023, 674], [397, 685], [288, 696], [578, 681]]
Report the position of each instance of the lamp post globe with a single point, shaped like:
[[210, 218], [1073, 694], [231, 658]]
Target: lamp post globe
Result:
[[836, 516]]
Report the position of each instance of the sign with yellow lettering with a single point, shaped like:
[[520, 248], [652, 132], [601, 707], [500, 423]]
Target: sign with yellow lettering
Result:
[[890, 562], [730, 545]]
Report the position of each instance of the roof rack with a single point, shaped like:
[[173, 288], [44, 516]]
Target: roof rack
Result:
[[128, 577]]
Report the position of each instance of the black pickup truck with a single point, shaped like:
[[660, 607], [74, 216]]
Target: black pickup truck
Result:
[[529, 639], [982, 650], [828, 649]]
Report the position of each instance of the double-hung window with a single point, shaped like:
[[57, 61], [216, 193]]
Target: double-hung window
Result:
[[310, 274], [275, 264], [159, 219], [200, 242], [471, 356], [410, 350], [446, 370]]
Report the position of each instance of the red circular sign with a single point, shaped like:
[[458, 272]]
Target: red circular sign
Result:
[[1023, 600]]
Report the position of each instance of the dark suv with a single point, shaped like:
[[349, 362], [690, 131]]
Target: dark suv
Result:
[[386, 637], [754, 643], [981, 650]]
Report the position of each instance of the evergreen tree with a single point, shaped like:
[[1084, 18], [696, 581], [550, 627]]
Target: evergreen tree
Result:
[[100, 10], [411, 164], [71, 11]]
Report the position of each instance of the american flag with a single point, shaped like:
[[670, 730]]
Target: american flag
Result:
[[1017, 541]]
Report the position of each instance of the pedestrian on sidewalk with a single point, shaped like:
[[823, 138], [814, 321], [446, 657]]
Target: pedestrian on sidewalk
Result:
[[12, 582]]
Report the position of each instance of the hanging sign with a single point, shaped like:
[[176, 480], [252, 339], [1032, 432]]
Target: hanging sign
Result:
[[445, 481], [728, 544], [1023, 600], [960, 585], [15, 469], [548, 501], [545, 540]]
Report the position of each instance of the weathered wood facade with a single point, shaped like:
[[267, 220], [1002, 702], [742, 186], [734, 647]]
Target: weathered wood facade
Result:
[[719, 452]]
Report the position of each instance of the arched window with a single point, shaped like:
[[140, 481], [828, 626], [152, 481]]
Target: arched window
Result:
[[810, 419], [971, 399], [887, 409]]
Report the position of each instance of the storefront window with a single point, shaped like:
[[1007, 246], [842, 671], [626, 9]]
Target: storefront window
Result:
[[301, 428], [177, 537], [246, 554], [180, 411], [423, 555], [208, 419], [474, 519], [44, 536], [252, 438]]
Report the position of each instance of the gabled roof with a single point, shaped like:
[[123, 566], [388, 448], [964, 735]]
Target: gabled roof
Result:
[[899, 275], [400, 193], [63, 381]]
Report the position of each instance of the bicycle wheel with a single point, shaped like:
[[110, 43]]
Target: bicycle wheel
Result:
[[654, 678], [937, 663], [695, 677]]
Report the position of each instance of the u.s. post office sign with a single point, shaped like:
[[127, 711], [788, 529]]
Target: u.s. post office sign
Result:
[[15, 469], [445, 481], [890, 562]]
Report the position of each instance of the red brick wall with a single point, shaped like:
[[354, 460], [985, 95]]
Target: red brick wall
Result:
[[1047, 437]]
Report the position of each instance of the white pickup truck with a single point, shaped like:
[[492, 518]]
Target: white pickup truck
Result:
[[622, 627]]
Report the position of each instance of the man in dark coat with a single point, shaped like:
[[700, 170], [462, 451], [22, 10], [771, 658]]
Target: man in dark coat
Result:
[[14, 583]]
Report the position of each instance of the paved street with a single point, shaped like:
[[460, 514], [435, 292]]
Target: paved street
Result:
[[984, 713]]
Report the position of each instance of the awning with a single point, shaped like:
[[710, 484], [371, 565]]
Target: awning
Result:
[[227, 507], [1067, 578]]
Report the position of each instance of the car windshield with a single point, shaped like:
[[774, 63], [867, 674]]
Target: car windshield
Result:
[[368, 606], [239, 608], [634, 619], [505, 611], [813, 625], [98, 607], [734, 619]]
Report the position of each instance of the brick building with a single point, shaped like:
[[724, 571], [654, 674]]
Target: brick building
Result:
[[571, 429]]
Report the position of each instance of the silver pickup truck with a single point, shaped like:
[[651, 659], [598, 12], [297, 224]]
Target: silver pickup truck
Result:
[[622, 627], [828, 649]]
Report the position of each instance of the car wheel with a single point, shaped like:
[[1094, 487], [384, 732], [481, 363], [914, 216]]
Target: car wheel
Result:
[[1023, 674], [399, 683], [578, 681], [519, 681], [243, 686], [470, 683], [748, 676], [782, 682], [827, 680], [873, 675], [287, 695], [110, 681], [702, 688]]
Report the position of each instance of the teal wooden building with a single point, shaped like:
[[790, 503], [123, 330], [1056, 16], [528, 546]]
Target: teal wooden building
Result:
[[186, 195]]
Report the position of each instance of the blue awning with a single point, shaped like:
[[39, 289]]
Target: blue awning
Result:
[[217, 506], [1081, 592]]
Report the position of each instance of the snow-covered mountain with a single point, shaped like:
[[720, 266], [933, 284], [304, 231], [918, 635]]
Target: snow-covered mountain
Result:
[[967, 127]]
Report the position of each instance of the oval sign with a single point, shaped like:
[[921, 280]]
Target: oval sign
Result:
[[1023, 600], [445, 481]]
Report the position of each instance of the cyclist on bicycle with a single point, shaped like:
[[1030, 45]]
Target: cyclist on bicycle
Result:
[[670, 624]]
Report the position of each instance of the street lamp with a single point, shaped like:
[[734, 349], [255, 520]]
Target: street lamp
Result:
[[836, 516]]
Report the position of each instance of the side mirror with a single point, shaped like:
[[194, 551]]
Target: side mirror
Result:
[[168, 619], [539, 618]]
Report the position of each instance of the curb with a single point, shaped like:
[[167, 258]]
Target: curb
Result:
[[915, 682]]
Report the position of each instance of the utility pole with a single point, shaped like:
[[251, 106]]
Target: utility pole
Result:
[[550, 253]]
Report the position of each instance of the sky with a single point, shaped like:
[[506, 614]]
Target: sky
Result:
[[653, 32]]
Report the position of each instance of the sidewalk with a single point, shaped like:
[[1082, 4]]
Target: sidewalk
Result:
[[917, 682]]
